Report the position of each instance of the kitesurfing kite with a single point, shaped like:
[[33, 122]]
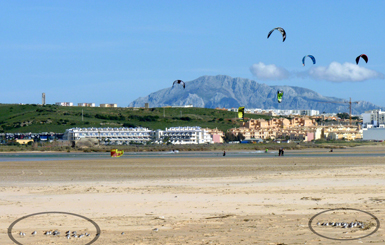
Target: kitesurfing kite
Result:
[[241, 113], [279, 96], [362, 56], [116, 153], [179, 82], [310, 56], [279, 29]]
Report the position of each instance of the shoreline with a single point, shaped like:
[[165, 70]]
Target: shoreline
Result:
[[227, 148], [190, 148]]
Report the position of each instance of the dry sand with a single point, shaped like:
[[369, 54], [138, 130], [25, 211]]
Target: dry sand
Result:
[[194, 200]]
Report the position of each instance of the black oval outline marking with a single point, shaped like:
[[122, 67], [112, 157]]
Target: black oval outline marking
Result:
[[53, 212], [311, 220]]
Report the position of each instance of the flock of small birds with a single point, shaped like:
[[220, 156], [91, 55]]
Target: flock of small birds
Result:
[[68, 234], [74, 234], [343, 224]]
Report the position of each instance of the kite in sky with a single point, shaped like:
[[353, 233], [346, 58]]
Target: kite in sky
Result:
[[362, 56], [179, 82], [279, 96], [279, 29], [241, 113], [310, 56]]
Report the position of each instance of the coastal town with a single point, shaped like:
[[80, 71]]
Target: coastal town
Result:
[[285, 126]]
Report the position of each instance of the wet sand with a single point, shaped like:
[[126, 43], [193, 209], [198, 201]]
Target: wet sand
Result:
[[224, 200]]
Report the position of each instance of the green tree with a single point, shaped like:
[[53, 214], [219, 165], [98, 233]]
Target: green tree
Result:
[[229, 137], [240, 137], [343, 115]]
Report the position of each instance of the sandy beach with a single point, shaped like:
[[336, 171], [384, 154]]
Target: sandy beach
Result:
[[223, 200]]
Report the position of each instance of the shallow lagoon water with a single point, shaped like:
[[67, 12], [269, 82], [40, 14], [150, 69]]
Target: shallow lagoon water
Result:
[[41, 156]]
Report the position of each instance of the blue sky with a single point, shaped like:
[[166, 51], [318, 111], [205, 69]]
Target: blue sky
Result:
[[117, 51]]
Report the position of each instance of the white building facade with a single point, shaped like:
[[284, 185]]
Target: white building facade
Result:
[[373, 134], [108, 105], [86, 104], [114, 136], [125, 136], [183, 135], [64, 103], [280, 112], [374, 118]]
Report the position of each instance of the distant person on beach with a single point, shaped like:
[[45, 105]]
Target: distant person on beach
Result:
[[266, 150], [280, 151], [224, 153], [331, 150]]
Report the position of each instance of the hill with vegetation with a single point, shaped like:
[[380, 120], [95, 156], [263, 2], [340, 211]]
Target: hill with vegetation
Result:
[[34, 118]]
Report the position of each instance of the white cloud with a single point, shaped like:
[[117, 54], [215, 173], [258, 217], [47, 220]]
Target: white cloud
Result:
[[346, 72], [269, 72]]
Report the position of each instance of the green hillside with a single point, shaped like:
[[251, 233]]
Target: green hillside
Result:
[[51, 118]]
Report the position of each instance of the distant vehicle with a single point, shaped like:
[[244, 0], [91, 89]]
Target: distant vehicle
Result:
[[116, 153]]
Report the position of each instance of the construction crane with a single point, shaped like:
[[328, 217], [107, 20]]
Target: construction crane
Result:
[[344, 102]]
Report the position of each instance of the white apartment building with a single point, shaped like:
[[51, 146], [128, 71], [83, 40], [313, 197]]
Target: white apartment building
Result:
[[184, 135], [182, 106], [64, 103], [116, 136], [374, 118], [309, 112], [280, 112], [108, 105], [86, 104]]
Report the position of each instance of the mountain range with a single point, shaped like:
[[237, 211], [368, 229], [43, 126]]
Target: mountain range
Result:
[[224, 91]]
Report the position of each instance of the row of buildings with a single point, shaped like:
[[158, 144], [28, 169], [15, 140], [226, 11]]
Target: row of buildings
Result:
[[373, 125], [277, 112], [295, 129], [85, 104], [123, 135]]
